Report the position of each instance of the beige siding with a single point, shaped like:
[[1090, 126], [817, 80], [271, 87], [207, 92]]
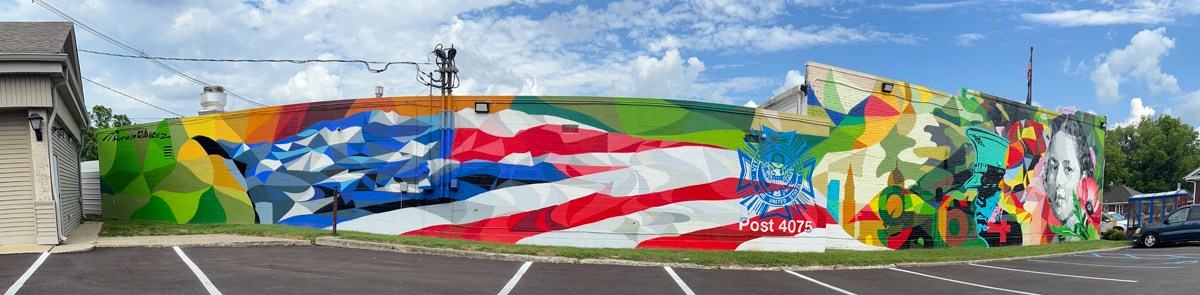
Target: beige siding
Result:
[[46, 231], [16, 201], [25, 91], [68, 183]]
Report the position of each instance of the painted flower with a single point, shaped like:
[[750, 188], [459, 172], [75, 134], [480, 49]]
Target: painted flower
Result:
[[1087, 192]]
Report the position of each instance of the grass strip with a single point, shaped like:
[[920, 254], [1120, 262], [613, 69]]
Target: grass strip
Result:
[[117, 228]]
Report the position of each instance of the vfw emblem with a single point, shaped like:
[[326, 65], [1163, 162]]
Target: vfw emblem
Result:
[[776, 173]]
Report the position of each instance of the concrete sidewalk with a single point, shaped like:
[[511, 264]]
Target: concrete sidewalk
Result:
[[87, 237], [217, 240]]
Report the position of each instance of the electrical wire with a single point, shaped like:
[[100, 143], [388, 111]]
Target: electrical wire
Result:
[[295, 61], [131, 97], [124, 45]]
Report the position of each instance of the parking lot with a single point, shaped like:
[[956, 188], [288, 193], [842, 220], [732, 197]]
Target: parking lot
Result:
[[326, 270]]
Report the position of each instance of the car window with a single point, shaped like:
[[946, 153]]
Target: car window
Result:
[[1119, 217], [1180, 215], [1194, 215]]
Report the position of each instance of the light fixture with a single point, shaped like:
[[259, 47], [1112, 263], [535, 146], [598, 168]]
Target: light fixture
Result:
[[887, 87], [451, 53], [1104, 125], [483, 106], [440, 54], [35, 121], [378, 91]]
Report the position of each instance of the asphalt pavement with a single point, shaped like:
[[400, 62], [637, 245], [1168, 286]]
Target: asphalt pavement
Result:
[[328, 270]]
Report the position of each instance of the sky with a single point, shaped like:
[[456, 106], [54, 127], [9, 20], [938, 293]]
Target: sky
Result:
[[1120, 58]]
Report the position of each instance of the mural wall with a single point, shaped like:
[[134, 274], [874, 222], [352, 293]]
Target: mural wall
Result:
[[863, 169], [917, 168], [576, 171]]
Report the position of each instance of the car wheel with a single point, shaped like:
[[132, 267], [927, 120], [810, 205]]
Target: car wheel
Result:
[[1120, 228], [1150, 240]]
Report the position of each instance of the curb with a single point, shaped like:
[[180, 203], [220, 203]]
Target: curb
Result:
[[212, 244], [922, 264], [377, 246], [72, 249], [356, 244]]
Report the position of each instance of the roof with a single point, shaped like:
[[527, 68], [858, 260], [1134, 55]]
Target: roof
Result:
[[1162, 194], [1119, 194], [34, 37], [1194, 176]]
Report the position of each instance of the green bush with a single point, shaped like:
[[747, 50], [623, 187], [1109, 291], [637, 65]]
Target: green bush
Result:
[[1113, 234]]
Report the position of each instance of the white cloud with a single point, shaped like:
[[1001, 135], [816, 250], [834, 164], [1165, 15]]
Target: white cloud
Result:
[[967, 40], [173, 81], [794, 78], [1067, 65], [1136, 112], [632, 47], [1140, 59], [789, 38], [312, 84], [927, 6], [661, 78], [1133, 12], [1190, 106], [750, 104]]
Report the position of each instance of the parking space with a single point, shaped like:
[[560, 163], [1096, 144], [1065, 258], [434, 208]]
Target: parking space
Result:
[[316, 269], [12, 266], [886, 281], [716, 281], [114, 271], [325, 270], [553, 278]]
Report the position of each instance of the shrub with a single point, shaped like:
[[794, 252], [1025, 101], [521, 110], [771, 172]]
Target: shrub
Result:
[[1113, 234]]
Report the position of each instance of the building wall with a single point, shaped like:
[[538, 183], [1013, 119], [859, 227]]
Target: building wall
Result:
[[17, 90], [16, 203], [863, 169], [69, 189], [89, 182], [917, 168], [577, 171]]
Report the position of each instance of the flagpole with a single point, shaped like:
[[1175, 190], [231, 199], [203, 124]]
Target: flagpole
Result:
[[1029, 76]]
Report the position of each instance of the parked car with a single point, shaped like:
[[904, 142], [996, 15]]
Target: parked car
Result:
[[1181, 225], [1111, 220]]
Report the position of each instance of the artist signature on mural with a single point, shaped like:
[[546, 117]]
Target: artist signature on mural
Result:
[[140, 134]]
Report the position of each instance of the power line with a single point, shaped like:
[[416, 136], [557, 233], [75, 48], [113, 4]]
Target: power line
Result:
[[295, 61], [131, 97], [124, 45]]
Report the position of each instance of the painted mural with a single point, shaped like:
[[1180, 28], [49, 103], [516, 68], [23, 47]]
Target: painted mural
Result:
[[863, 169], [590, 172], [917, 168]]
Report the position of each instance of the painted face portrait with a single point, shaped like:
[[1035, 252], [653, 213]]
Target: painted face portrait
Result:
[[1067, 162]]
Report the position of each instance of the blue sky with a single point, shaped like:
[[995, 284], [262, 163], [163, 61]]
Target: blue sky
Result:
[[1120, 58]]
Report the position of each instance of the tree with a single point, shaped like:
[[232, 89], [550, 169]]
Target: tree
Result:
[[1151, 156], [102, 118]]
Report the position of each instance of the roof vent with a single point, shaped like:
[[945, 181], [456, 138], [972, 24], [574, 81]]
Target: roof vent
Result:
[[213, 100]]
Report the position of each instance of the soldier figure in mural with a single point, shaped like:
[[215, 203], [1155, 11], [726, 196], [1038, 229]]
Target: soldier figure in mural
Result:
[[1067, 174]]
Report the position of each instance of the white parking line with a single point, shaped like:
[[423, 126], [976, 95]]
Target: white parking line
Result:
[[964, 283], [212, 289], [679, 281], [517, 277], [1102, 265], [820, 283], [1053, 274], [28, 273]]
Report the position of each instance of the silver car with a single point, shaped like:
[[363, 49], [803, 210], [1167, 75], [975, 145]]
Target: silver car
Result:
[[1110, 220]]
